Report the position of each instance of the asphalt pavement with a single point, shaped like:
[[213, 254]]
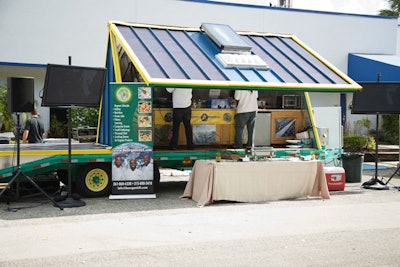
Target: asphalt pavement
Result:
[[356, 227]]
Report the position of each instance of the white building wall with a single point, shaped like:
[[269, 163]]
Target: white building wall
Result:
[[398, 36], [48, 31]]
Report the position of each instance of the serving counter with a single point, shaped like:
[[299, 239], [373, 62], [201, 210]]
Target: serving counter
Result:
[[213, 126], [255, 181], [210, 126]]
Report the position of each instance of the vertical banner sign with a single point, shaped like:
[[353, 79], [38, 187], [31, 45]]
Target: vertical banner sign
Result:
[[131, 113], [132, 164]]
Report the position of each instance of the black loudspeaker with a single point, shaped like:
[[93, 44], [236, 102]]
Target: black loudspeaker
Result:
[[20, 94]]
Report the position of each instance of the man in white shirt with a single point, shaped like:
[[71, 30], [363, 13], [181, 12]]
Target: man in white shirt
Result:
[[148, 167], [246, 111], [182, 112], [117, 169], [133, 173]]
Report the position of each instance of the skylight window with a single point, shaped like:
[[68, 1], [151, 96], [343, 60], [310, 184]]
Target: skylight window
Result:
[[235, 51], [226, 38]]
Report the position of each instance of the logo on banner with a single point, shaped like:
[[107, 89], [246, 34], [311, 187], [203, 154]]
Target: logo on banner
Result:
[[123, 94]]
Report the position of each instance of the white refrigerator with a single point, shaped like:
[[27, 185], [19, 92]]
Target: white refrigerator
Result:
[[262, 133]]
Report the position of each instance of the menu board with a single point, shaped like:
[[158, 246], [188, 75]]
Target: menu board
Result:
[[131, 113]]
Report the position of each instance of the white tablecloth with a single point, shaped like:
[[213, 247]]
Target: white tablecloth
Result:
[[255, 181]]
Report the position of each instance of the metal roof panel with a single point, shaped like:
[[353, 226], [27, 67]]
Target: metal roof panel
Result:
[[183, 57]]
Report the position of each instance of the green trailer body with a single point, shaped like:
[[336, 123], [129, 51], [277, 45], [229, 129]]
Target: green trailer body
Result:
[[90, 168]]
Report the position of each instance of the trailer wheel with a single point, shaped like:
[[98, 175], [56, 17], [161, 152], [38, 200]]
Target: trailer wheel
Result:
[[94, 180]]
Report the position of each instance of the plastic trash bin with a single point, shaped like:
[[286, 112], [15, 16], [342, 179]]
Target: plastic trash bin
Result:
[[352, 164]]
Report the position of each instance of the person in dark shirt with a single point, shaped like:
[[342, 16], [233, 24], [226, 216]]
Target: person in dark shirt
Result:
[[34, 129]]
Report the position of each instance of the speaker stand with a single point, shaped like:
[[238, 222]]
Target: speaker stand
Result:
[[394, 173], [19, 174], [374, 182], [70, 202]]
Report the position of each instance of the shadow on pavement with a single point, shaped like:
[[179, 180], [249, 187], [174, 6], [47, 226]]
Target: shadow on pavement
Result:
[[168, 198], [39, 206]]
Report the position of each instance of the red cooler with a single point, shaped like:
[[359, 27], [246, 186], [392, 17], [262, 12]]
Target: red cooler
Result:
[[335, 178]]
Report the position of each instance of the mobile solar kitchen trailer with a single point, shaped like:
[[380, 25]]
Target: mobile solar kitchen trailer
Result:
[[156, 57]]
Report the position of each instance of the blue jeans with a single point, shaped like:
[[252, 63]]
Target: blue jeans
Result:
[[244, 119], [181, 115]]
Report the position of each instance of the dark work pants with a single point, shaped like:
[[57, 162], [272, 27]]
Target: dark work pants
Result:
[[181, 115], [244, 119]]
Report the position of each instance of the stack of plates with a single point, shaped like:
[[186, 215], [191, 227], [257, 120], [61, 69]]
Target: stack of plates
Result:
[[293, 143]]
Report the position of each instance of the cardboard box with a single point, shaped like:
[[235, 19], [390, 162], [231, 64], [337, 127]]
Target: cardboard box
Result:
[[302, 135], [335, 178]]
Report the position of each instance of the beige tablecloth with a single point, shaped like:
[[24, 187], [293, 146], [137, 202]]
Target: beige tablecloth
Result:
[[255, 181]]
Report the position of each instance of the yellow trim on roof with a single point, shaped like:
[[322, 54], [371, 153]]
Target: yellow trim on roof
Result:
[[116, 34], [312, 120], [154, 26], [269, 85], [324, 61], [196, 29], [114, 54]]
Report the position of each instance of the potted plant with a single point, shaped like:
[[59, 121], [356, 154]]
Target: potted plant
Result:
[[6, 120], [358, 143]]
